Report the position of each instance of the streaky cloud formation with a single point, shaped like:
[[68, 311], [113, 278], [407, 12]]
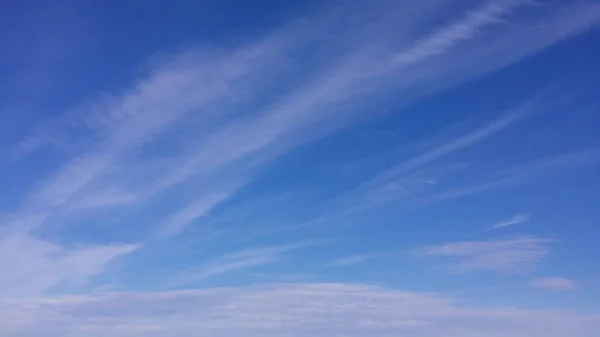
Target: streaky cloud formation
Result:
[[499, 256], [515, 220], [239, 260], [31, 266], [164, 169], [553, 284], [350, 260]]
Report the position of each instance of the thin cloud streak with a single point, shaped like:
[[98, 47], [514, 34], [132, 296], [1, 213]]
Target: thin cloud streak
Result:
[[350, 260], [456, 145], [237, 142], [515, 220], [512, 255], [31, 266], [464, 29], [155, 104], [178, 221], [305, 106], [553, 284], [413, 176], [519, 174], [236, 261]]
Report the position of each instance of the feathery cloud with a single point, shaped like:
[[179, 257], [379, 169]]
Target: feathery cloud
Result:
[[31, 266], [238, 260], [196, 86], [350, 260], [238, 109], [521, 174], [553, 284], [515, 220], [510, 255]]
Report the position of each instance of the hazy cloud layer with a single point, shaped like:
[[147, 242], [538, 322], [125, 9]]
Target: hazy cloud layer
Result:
[[282, 310]]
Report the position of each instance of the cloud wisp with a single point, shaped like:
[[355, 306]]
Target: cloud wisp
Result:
[[553, 284], [194, 82], [223, 115], [426, 178], [237, 261], [511, 255], [351, 260], [31, 266], [519, 174], [515, 220]]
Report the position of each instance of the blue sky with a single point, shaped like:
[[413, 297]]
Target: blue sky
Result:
[[334, 168]]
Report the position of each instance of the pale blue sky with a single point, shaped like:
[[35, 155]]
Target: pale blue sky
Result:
[[333, 168]]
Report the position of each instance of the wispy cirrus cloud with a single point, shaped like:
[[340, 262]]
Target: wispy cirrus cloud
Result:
[[463, 29], [401, 170], [223, 115], [31, 266], [350, 260], [510, 255], [515, 220], [236, 261], [553, 284], [192, 82], [176, 222], [425, 177], [519, 174]]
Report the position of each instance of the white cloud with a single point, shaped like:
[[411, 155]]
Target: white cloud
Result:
[[415, 175], [106, 197], [515, 220], [31, 266], [176, 222], [500, 256], [281, 310], [521, 173], [463, 29], [350, 260], [234, 261], [198, 86], [181, 86], [553, 284], [242, 125], [452, 146]]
